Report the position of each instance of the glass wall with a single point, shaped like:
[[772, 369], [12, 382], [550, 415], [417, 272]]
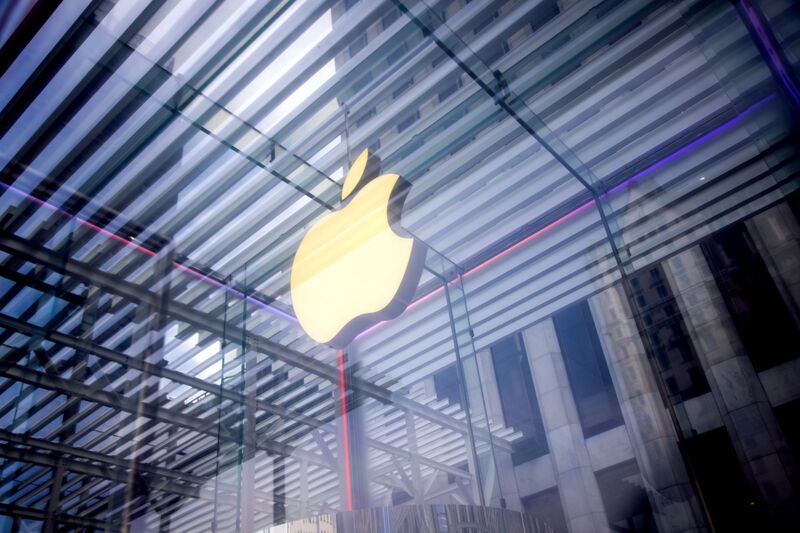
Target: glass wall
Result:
[[587, 214]]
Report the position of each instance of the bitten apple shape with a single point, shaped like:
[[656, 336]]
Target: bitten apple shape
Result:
[[354, 267]]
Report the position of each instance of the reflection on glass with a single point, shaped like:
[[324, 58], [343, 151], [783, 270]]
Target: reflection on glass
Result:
[[520, 407], [161, 163], [667, 335], [769, 332], [589, 379]]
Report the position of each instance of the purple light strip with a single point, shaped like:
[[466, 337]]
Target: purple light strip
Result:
[[655, 166], [700, 140], [772, 54], [263, 305]]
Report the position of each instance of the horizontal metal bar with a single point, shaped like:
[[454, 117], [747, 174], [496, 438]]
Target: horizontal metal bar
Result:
[[62, 518], [170, 416], [111, 472], [151, 369], [137, 293], [71, 451]]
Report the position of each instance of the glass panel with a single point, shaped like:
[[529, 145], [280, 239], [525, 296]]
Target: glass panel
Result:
[[483, 439], [602, 192], [447, 385], [733, 502], [547, 504], [625, 498]]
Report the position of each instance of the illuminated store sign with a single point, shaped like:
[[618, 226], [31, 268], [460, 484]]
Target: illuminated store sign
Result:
[[355, 268]]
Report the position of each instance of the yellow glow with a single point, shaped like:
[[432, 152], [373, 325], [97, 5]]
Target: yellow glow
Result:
[[355, 173], [350, 263]]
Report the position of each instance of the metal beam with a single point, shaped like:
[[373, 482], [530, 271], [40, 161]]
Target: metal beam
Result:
[[150, 369], [169, 416], [62, 518], [107, 471], [416, 473], [113, 400], [185, 313], [42, 286], [71, 451], [54, 499], [113, 468]]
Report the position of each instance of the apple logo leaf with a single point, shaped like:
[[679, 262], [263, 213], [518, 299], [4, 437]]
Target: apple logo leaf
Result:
[[355, 174]]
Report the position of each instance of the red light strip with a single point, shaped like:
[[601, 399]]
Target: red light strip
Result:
[[723, 127], [346, 434], [147, 251], [527, 239], [486, 263]]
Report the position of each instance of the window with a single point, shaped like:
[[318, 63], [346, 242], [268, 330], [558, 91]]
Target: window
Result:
[[403, 88], [547, 506], [447, 385], [362, 82], [493, 52], [363, 119], [390, 17], [730, 502], [400, 497], [625, 499], [406, 123], [438, 59], [543, 13], [667, 335], [595, 399], [518, 398], [485, 23], [357, 44], [788, 414], [449, 90], [396, 54], [766, 328], [794, 204]]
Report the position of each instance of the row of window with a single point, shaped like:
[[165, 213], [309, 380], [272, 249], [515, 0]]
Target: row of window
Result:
[[764, 322], [729, 501], [624, 499], [491, 53], [588, 374], [769, 334]]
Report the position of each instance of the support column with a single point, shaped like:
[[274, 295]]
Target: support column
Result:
[[491, 392], [652, 435], [577, 485], [247, 478], [303, 478], [344, 415], [743, 404], [149, 339], [416, 473], [54, 501]]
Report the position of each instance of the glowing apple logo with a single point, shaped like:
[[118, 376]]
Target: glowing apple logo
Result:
[[355, 268]]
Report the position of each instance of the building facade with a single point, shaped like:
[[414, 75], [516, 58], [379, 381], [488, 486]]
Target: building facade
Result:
[[605, 335]]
